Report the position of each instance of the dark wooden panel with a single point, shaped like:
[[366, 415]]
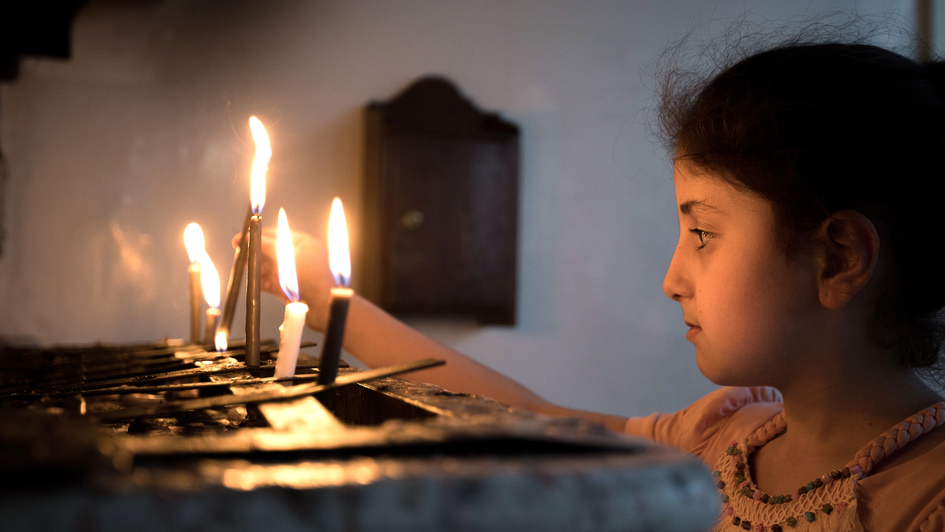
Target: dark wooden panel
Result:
[[441, 201]]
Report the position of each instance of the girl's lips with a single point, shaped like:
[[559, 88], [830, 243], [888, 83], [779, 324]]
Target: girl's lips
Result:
[[693, 331]]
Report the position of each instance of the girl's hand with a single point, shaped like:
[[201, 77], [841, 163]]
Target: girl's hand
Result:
[[311, 265]]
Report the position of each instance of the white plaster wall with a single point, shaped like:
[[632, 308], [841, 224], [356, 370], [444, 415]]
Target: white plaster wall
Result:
[[110, 154]]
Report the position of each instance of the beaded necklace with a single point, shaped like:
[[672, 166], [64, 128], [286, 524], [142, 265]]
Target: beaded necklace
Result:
[[830, 500]]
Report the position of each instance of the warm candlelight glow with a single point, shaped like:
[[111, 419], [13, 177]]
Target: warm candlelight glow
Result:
[[257, 191], [220, 341], [295, 311], [210, 281], [288, 279], [193, 241], [257, 198], [339, 258], [339, 298]]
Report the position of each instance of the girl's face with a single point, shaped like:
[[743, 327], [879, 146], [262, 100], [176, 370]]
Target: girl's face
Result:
[[752, 312]]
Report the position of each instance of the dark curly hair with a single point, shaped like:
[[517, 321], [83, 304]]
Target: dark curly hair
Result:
[[822, 127]]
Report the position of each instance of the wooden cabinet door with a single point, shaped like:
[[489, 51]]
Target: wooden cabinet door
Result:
[[441, 206]]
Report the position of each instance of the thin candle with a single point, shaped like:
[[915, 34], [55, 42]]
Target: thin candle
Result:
[[211, 292], [254, 264], [236, 279], [339, 260], [193, 241], [295, 311]]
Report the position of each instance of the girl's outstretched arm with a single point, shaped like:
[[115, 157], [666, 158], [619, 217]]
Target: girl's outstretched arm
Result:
[[378, 339]]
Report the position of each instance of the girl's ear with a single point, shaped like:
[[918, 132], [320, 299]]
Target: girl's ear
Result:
[[851, 245]]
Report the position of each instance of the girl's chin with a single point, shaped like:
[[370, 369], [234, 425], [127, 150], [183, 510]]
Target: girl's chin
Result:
[[720, 375]]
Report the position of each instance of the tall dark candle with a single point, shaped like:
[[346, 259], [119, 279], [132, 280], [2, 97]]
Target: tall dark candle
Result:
[[339, 261], [257, 197], [338, 303], [253, 291]]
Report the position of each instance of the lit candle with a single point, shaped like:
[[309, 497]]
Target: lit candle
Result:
[[339, 260], [193, 241], [220, 341], [257, 199], [236, 280], [291, 330], [211, 292]]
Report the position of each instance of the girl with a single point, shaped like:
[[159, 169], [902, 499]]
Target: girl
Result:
[[808, 181]]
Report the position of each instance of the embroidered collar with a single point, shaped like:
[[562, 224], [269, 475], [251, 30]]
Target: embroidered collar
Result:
[[832, 497]]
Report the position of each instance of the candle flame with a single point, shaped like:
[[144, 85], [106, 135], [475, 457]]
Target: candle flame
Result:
[[193, 241], [257, 190], [210, 281], [339, 258], [220, 341], [286, 256]]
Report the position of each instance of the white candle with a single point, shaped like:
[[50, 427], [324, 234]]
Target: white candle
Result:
[[290, 332], [290, 336], [210, 281], [193, 241], [254, 264]]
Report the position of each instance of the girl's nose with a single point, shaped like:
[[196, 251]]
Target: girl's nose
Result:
[[675, 286]]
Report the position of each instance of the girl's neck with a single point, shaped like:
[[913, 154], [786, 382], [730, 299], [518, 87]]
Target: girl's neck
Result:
[[846, 408], [830, 416]]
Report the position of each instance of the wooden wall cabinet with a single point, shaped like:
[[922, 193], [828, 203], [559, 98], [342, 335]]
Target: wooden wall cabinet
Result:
[[441, 206]]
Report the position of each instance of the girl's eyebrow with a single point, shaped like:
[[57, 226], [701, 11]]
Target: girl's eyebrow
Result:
[[687, 207]]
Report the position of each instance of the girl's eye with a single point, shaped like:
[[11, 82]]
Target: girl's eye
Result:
[[704, 236]]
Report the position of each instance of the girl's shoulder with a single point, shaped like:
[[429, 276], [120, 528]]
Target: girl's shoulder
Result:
[[907, 490], [712, 421]]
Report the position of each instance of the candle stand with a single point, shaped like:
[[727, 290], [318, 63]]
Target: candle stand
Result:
[[122, 437]]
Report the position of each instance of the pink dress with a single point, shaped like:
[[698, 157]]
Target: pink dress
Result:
[[724, 427]]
